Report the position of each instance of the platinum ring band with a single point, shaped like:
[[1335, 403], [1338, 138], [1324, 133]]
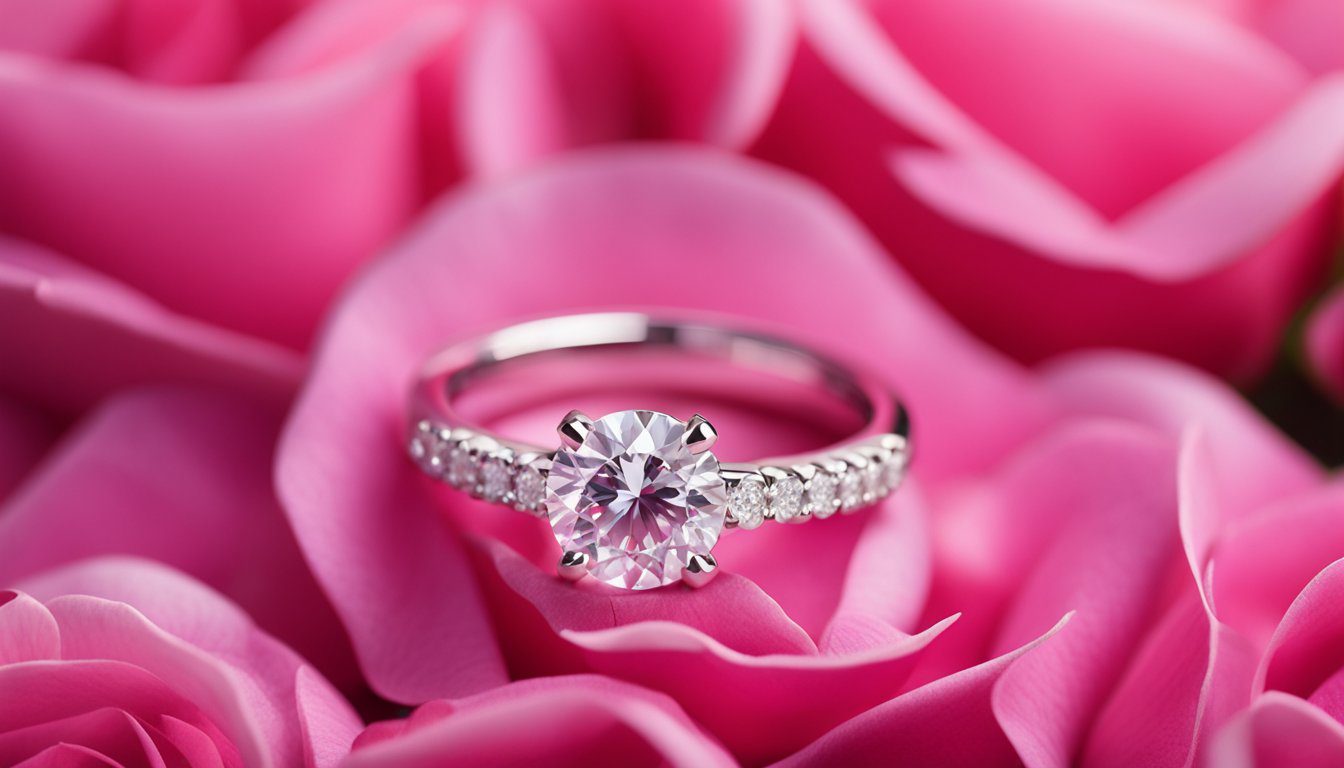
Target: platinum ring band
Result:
[[856, 472]]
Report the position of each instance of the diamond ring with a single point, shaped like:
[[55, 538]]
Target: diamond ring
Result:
[[636, 498]]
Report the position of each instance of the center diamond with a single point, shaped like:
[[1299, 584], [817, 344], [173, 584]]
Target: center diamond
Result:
[[635, 499]]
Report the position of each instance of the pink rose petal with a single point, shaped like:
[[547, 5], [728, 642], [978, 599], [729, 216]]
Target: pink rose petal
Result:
[[71, 336], [580, 720], [27, 630], [140, 476], [309, 146], [1108, 560], [1280, 730], [25, 435], [1308, 646], [946, 723]]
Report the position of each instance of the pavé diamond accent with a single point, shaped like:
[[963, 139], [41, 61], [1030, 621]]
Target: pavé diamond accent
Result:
[[821, 493], [851, 488], [462, 468], [529, 488], [496, 482], [786, 498], [635, 499], [746, 503]]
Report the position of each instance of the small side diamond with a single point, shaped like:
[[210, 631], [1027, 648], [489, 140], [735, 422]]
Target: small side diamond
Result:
[[893, 471], [462, 468], [786, 498], [529, 488], [496, 481], [746, 503], [821, 493], [874, 485], [426, 448], [851, 489]]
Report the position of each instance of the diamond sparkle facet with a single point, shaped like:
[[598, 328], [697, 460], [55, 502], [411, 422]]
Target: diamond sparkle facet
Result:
[[496, 482], [635, 499], [529, 488], [821, 493]]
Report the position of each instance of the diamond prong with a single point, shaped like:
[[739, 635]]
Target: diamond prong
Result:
[[700, 434], [700, 570], [573, 566], [574, 428]]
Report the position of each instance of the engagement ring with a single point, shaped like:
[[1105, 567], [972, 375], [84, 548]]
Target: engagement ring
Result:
[[637, 498]]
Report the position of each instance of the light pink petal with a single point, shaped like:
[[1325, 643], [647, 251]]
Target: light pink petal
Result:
[[372, 527], [128, 199], [209, 651], [1263, 562], [184, 477], [946, 723], [1108, 561], [1308, 646], [1203, 669], [70, 336], [49, 692], [25, 435], [1037, 191], [327, 723], [1187, 679], [1325, 343], [1252, 463], [576, 721], [27, 630], [69, 756], [725, 652], [110, 732], [1309, 30], [1279, 730]]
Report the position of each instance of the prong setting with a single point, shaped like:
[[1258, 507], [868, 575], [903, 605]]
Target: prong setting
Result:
[[574, 429], [700, 570], [700, 434], [573, 566]]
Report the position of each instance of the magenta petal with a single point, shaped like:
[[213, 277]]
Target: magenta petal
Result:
[[561, 721], [1325, 343], [205, 506], [1308, 646], [1263, 563], [27, 630], [1280, 730], [946, 723], [310, 146], [144, 614], [1108, 561], [24, 437], [70, 336]]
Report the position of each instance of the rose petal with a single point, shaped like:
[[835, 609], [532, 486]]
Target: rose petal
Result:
[[1279, 730], [84, 335], [1108, 560], [309, 146], [140, 477], [212, 653], [1265, 561], [112, 733], [370, 526], [25, 435], [1325, 343], [579, 720], [1308, 645], [947, 723], [27, 630]]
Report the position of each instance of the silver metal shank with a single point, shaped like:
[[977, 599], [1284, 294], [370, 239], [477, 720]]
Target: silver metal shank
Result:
[[860, 470]]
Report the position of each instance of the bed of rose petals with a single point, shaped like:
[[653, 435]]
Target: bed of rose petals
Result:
[[234, 228]]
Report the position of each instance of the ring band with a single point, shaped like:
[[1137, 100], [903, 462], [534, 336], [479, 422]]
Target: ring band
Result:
[[636, 498]]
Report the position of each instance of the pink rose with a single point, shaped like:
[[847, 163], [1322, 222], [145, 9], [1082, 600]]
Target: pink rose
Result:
[[182, 476], [125, 662], [1160, 175], [1050, 553]]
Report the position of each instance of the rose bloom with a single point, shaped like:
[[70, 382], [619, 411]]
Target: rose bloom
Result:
[[1104, 559]]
